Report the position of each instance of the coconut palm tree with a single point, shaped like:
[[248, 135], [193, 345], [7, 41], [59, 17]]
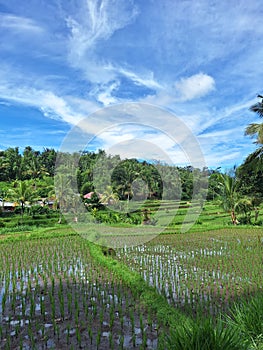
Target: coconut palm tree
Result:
[[23, 193], [255, 130], [109, 196], [63, 192], [229, 194]]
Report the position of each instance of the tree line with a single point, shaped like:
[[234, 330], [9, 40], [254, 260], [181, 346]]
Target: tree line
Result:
[[32, 172]]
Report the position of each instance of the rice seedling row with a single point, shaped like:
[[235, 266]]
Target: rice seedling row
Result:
[[53, 296], [201, 273]]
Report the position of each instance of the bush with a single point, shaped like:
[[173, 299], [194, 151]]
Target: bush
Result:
[[18, 210], [38, 210]]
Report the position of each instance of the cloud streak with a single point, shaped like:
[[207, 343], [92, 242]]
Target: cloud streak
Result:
[[18, 24], [95, 21], [196, 59]]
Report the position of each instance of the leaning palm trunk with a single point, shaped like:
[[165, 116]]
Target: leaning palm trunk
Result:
[[233, 217]]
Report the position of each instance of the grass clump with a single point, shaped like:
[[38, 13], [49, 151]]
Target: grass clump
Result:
[[205, 335], [247, 317]]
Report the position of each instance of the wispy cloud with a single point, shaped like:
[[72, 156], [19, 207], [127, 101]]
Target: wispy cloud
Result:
[[92, 22], [196, 59], [142, 79], [18, 24]]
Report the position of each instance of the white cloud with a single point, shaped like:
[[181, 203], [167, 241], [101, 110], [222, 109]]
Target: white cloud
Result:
[[51, 105], [196, 86], [94, 21], [18, 24], [105, 94], [145, 80], [105, 52]]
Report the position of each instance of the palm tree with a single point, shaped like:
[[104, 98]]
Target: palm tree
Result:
[[63, 192], [254, 161], [229, 195], [255, 130], [109, 196], [23, 193], [34, 169]]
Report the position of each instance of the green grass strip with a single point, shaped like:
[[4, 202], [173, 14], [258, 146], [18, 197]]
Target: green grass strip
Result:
[[155, 303], [43, 233]]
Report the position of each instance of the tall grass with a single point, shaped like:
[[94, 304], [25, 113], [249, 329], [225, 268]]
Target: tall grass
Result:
[[247, 318], [205, 335]]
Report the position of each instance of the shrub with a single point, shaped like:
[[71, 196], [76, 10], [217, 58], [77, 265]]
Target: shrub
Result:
[[38, 210]]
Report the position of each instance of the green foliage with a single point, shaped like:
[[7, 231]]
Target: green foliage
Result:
[[205, 335], [36, 210], [86, 188], [19, 228], [255, 130], [247, 317], [242, 329], [130, 180], [111, 217]]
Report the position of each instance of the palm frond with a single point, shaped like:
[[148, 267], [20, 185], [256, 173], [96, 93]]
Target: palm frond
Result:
[[257, 108], [255, 129], [254, 160]]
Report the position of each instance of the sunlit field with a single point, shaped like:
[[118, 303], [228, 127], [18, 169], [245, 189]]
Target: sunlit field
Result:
[[53, 296], [59, 291], [201, 273]]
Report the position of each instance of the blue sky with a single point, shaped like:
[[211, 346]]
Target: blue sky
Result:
[[61, 61]]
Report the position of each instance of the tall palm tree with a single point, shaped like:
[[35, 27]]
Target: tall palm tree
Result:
[[229, 195], [63, 192], [255, 130]]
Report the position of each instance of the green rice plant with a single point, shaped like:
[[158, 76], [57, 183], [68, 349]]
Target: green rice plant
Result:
[[68, 333], [144, 340], [78, 335], [98, 338], [4, 301], [42, 307], [32, 307], [111, 343], [36, 262], [90, 334], [121, 341], [134, 340]]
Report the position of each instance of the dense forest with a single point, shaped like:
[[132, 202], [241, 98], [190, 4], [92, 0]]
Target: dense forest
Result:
[[27, 176], [39, 168]]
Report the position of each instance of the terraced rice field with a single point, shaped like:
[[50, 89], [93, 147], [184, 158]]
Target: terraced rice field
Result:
[[201, 272], [54, 295]]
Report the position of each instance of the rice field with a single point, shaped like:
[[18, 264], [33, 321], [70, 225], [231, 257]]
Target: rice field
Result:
[[201, 273], [53, 296]]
